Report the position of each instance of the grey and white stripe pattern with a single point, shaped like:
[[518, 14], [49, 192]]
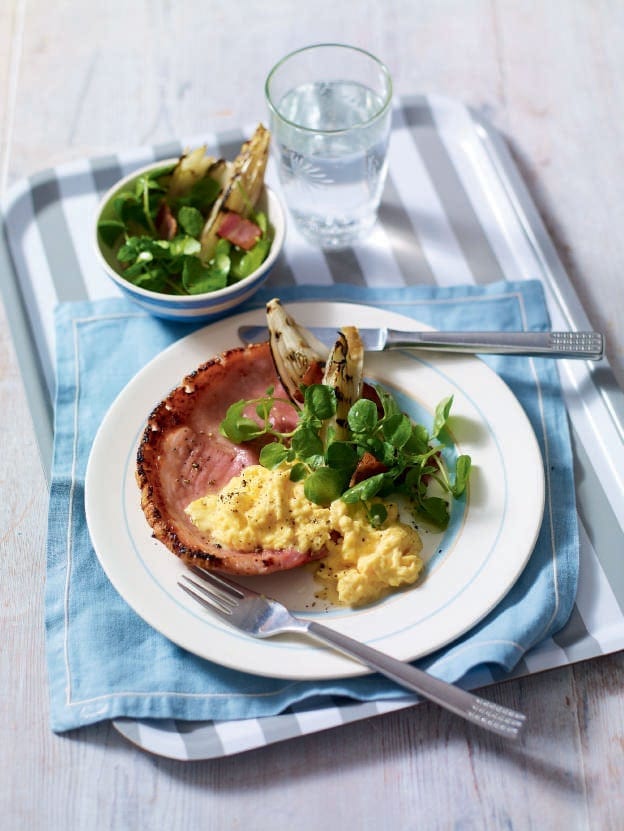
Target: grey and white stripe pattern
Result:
[[454, 211]]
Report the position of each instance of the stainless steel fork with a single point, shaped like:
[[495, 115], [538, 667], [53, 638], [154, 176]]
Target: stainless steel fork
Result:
[[263, 617]]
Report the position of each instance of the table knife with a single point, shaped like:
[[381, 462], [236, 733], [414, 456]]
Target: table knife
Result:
[[585, 345]]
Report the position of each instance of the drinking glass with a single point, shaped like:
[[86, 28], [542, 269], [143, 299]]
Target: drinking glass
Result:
[[330, 112]]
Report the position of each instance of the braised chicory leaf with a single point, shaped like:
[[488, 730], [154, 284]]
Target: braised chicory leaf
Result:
[[408, 458]]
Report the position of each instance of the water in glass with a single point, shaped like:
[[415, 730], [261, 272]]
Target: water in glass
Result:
[[332, 147]]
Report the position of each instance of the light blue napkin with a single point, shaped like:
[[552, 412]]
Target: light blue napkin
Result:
[[105, 662]]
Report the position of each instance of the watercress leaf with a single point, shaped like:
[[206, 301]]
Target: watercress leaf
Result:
[[192, 273], [320, 401], [397, 429], [377, 514], [237, 427], [232, 414], [272, 455], [260, 218], [129, 209], [139, 267], [202, 195], [323, 486], [310, 421], [197, 278], [148, 201], [191, 220], [418, 442], [373, 445], [245, 430], [154, 280], [411, 479], [264, 407], [441, 415], [120, 200], [141, 186], [248, 429], [182, 245], [388, 403], [245, 263], [364, 490], [306, 442], [110, 230], [214, 277], [298, 472], [417, 488], [387, 454], [362, 417], [462, 472], [223, 246], [342, 456], [435, 510], [142, 249], [388, 486], [128, 252]]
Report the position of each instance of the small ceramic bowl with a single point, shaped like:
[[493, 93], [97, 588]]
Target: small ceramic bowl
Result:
[[196, 307]]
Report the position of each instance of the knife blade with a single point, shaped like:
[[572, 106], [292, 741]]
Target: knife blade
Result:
[[584, 345]]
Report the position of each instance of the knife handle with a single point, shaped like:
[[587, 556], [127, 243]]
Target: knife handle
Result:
[[585, 345]]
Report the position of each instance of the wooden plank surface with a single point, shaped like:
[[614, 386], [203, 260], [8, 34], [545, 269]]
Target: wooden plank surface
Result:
[[78, 79]]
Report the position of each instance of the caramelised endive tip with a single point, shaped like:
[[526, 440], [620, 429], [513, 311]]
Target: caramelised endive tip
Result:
[[298, 356], [242, 186], [344, 372], [192, 167]]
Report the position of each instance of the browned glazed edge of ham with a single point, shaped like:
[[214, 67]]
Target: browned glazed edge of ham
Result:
[[182, 456]]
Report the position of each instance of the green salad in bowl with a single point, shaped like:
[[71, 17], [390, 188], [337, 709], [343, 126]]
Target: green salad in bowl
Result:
[[192, 227]]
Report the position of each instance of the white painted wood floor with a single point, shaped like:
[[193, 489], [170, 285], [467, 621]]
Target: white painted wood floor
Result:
[[78, 79]]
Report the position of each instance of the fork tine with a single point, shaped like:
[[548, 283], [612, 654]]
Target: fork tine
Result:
[[207, 597], [198, 598], [217, 580]]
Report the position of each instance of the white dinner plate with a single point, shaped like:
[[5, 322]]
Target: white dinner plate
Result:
[[469, 568]]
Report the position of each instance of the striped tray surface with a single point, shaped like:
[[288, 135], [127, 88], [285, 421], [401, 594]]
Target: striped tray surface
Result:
[[454, 210]]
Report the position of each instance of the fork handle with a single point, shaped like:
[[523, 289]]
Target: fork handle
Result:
[[453, 698]]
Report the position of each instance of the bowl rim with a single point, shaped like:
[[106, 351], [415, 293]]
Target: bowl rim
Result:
[[210, 297]]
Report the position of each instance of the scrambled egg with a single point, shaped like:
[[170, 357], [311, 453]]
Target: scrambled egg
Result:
[[262, 508]]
